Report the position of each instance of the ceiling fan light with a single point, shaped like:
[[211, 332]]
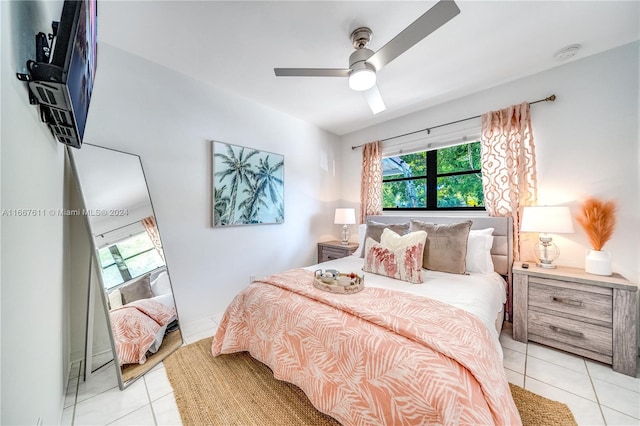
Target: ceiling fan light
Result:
[[362, 79]]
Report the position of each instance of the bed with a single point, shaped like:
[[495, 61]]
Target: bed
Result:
[[397, 352], [141, 312]]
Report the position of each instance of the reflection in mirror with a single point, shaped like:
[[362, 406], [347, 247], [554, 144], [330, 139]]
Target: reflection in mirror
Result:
[[134, 295]]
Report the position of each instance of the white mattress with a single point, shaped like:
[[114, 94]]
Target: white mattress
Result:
[[482, 295]]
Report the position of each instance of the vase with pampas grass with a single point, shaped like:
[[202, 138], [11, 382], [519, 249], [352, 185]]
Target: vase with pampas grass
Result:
[[598, 219]]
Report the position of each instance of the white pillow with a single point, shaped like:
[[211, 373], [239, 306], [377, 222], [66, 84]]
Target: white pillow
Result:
[[165, 299], [479, 246], [115, 299], [362, 231], [161, 285], [393, 241], [485, 231]]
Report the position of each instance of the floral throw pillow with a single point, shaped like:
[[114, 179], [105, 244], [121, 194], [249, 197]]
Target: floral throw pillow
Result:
[[403, 263]]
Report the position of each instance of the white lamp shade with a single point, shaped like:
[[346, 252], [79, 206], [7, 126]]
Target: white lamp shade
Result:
[[345, 217], [547, 219]]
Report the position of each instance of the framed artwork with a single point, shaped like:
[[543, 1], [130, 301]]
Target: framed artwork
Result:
[[248, 186]]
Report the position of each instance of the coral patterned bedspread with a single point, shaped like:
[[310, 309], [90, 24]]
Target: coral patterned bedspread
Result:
[[136, 326], [377, 357]]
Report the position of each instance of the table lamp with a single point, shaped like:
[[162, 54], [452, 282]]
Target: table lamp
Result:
[[345, 217], [546, 220]]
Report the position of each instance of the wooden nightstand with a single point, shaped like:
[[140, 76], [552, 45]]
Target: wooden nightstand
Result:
[[330, 250], [589, 315]]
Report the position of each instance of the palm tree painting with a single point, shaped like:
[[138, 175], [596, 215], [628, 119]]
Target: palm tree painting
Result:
[[248, 186]]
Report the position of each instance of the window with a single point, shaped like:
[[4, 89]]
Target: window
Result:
[[447, 178], [127, 259]]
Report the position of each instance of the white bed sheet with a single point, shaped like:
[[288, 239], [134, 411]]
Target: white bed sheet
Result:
[[167, 300], [482, 295]]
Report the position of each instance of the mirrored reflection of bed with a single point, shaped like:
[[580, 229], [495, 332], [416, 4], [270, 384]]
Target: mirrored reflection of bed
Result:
[[143, 318], [416, 346], [131, 305]]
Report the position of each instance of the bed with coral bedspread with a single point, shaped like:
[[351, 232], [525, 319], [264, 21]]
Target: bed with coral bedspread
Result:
[[383, 356], [138, 328]]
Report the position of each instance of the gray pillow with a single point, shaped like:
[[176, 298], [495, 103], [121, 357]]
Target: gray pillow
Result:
[[374, 230], [138, 289], [446, 248]]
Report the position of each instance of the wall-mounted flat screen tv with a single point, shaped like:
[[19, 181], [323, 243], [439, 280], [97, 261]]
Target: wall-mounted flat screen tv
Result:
[[63, 85]]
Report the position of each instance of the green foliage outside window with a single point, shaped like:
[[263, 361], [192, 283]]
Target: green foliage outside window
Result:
[[396, 194], [440, 179], [127, 259], [459, 158]]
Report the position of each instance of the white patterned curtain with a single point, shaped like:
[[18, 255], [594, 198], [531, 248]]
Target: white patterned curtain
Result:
[[371, 183], [149, 224], [509, 165]]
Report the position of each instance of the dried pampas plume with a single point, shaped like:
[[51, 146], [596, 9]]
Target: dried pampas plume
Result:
[[598, 219]]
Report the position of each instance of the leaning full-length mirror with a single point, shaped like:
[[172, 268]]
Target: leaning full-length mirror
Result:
[[134, 293]]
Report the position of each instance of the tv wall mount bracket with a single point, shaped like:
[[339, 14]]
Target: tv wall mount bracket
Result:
[[43, 55]]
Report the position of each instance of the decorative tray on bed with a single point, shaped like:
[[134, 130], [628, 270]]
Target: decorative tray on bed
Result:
[[336, 282]]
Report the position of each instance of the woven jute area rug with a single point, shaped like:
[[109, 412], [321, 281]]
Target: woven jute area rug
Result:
[[237, 390]]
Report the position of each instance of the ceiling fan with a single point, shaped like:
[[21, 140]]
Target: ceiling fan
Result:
[[364, 63]]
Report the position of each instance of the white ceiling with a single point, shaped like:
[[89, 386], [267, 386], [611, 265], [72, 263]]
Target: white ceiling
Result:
[[235, 45]]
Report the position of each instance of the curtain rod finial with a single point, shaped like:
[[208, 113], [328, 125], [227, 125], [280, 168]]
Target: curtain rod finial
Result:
[[551, 98]]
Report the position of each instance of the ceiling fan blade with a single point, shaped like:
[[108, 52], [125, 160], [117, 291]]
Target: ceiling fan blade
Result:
[[311, 72], [374, 99], [431, 20]]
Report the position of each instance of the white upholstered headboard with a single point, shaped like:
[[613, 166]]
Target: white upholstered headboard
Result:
[[501, 252]]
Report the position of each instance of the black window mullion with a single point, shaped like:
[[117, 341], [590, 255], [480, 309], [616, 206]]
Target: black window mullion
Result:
[[138, 254], [122, 267], [466, 172], [432, 179], [404, 179]]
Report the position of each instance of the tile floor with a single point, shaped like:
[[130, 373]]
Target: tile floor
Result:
[[596, 394]]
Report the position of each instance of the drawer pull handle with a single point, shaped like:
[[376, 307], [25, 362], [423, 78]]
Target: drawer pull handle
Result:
[[567, 301], [332, 257], [565, 331]]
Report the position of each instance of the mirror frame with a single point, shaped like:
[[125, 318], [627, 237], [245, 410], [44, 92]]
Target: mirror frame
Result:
[[94, 262], [90, 321]]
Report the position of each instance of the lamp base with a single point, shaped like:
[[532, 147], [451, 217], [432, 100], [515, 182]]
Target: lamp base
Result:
[[345, 235], [546, 252]]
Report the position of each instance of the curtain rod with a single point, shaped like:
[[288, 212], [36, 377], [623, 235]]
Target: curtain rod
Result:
[[428, 129], [116, 229]]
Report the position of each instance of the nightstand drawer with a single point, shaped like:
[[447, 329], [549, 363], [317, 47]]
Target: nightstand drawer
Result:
[[331, 250], [585, 304], [559, 332], [329, 253]]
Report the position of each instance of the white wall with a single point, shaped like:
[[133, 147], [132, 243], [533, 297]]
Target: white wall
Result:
[[586, 143], [169, 120], [34, 308]]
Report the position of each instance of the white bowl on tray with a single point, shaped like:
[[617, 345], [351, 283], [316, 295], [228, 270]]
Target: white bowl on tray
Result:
[[343, 280]]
